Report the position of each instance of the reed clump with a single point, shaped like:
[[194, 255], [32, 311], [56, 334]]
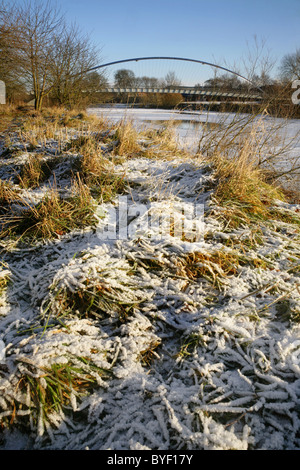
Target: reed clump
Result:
[[242, 189], [162, 142], [127, 140]]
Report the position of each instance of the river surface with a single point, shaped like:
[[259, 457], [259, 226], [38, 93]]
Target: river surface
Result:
[[189, 125]]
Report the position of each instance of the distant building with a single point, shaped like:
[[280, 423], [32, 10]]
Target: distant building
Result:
[[2, 93]]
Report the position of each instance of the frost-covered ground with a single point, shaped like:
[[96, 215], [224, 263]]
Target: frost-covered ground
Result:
[[197, 364]]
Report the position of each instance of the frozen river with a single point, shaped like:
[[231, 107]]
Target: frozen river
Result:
[[189, 127], [284, 135]]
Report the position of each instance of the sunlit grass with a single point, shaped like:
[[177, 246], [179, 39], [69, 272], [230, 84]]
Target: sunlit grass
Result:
[[216, 266], [52, 216]]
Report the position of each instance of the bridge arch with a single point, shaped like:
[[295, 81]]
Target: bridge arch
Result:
[[183, 59]]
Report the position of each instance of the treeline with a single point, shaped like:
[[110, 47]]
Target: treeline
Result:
[[125, 78], [44, 58], [279, 96]]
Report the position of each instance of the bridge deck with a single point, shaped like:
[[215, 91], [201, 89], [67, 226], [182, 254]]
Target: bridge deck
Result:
[[183, 91]]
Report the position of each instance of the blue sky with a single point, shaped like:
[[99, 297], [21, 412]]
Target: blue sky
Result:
[[214, 31]]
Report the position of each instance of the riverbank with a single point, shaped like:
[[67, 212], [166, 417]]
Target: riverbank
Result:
[[277, 138], [143, 305]]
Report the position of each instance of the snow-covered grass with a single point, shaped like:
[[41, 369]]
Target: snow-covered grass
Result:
[[135, 333]]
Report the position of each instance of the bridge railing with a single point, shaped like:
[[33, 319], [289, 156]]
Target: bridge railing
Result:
[[183, 91]]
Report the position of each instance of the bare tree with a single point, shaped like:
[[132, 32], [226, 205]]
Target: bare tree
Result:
[[45, 54], [36, 24], [8, 41], [290, 66], [258, 62], [171, 80], [256, 65], [124, 78], [225, 81], [145, 82], [71, 56], [6, 38]]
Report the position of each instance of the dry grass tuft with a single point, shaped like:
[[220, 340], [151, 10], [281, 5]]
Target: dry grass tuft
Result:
[[148, 355], [36, 171], [95, 170], [54, 123], [148, 143], [97, 299], [241, 187], [216, 265], [7, 193], [242, 153], [127, 137], [53, 216], [163, 142]]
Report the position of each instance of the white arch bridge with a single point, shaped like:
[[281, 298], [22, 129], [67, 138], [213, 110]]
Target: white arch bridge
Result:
[[251, 91]]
